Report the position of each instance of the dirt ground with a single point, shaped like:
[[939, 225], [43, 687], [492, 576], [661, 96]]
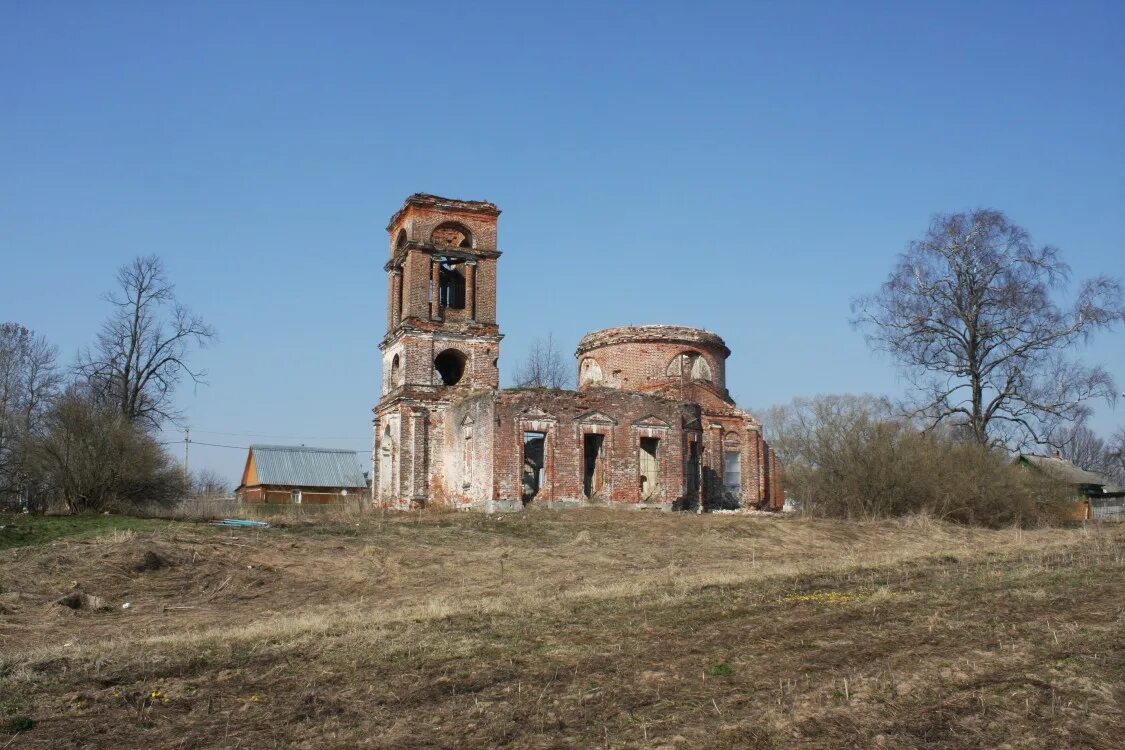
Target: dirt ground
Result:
[[576, 629]]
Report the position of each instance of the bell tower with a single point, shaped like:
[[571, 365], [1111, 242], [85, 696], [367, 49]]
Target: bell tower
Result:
[[442, 342], [441, 298]]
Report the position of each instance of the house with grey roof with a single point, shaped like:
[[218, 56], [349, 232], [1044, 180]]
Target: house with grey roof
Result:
[[1100, 498], [301, 475]]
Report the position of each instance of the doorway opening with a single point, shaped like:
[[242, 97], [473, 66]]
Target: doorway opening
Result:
[[649, 467], [531, 477], [592, 472]]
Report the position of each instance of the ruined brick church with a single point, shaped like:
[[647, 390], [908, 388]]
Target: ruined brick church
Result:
[[651, 424]]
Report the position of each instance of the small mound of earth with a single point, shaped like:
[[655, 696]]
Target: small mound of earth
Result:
[[149, 562], [79, 599]]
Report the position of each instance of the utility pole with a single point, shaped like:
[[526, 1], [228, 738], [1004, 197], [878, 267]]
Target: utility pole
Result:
[[187, 442]]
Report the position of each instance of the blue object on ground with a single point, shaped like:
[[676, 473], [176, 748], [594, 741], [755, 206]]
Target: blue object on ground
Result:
[[240, 523]]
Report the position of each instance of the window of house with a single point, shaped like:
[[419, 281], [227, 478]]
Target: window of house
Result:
[[296, 497]]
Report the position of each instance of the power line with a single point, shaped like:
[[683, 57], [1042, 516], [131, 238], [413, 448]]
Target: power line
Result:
[[209, 445], [265, 435], [240, 447]]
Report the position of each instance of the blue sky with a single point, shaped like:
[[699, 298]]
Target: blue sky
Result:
[[743, 167]]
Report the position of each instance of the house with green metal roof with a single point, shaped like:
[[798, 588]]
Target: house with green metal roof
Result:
[[298, 474]]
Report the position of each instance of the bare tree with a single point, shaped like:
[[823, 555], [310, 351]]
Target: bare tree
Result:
[[1115, 453], [797, 429], [208, 483], [29, 379], [968, 312], [1082, 447], [543, 367], [141, 351]]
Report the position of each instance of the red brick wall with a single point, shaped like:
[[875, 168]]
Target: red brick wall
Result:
[[418, 218], [309, 495], [565, 416], [419, 221], [637, 359]]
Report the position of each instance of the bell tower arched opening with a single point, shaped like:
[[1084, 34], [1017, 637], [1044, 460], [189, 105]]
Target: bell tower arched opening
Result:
[[450, 366]]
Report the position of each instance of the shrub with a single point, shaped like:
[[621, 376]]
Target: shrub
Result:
[[91, 458], [850, 457]]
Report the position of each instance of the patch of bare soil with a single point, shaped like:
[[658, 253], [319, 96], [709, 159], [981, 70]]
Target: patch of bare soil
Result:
[[569, 630]]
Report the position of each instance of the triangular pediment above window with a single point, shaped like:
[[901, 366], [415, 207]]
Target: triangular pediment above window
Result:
[[537, 414], [693, 424], [467, 421], [652, 421], [596, 417]]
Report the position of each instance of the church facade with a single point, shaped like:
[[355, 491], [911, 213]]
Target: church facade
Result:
[[651, 424]]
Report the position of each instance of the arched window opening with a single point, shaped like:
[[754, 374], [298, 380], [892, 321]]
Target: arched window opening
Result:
[[589, 371], [396, 372], [451, 286], [452, 235], [450, 366], [691, 365], [400, 240]]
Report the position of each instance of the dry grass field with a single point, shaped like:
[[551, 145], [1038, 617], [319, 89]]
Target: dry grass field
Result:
[[574, 630]]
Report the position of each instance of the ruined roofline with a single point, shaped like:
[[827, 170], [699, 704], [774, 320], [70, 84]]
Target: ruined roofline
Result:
[[665, 334], [592, 392], [427, 200]]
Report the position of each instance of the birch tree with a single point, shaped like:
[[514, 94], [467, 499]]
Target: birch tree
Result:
[[971, 314]]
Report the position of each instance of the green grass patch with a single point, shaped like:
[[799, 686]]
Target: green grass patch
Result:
[[721, 670], [24, 530], [18, 724]]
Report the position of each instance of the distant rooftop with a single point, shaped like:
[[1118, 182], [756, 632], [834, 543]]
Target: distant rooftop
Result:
[[1065, 470], [302, 466]]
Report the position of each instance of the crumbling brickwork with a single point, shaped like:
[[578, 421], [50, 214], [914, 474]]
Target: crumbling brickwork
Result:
[[651, 425]]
